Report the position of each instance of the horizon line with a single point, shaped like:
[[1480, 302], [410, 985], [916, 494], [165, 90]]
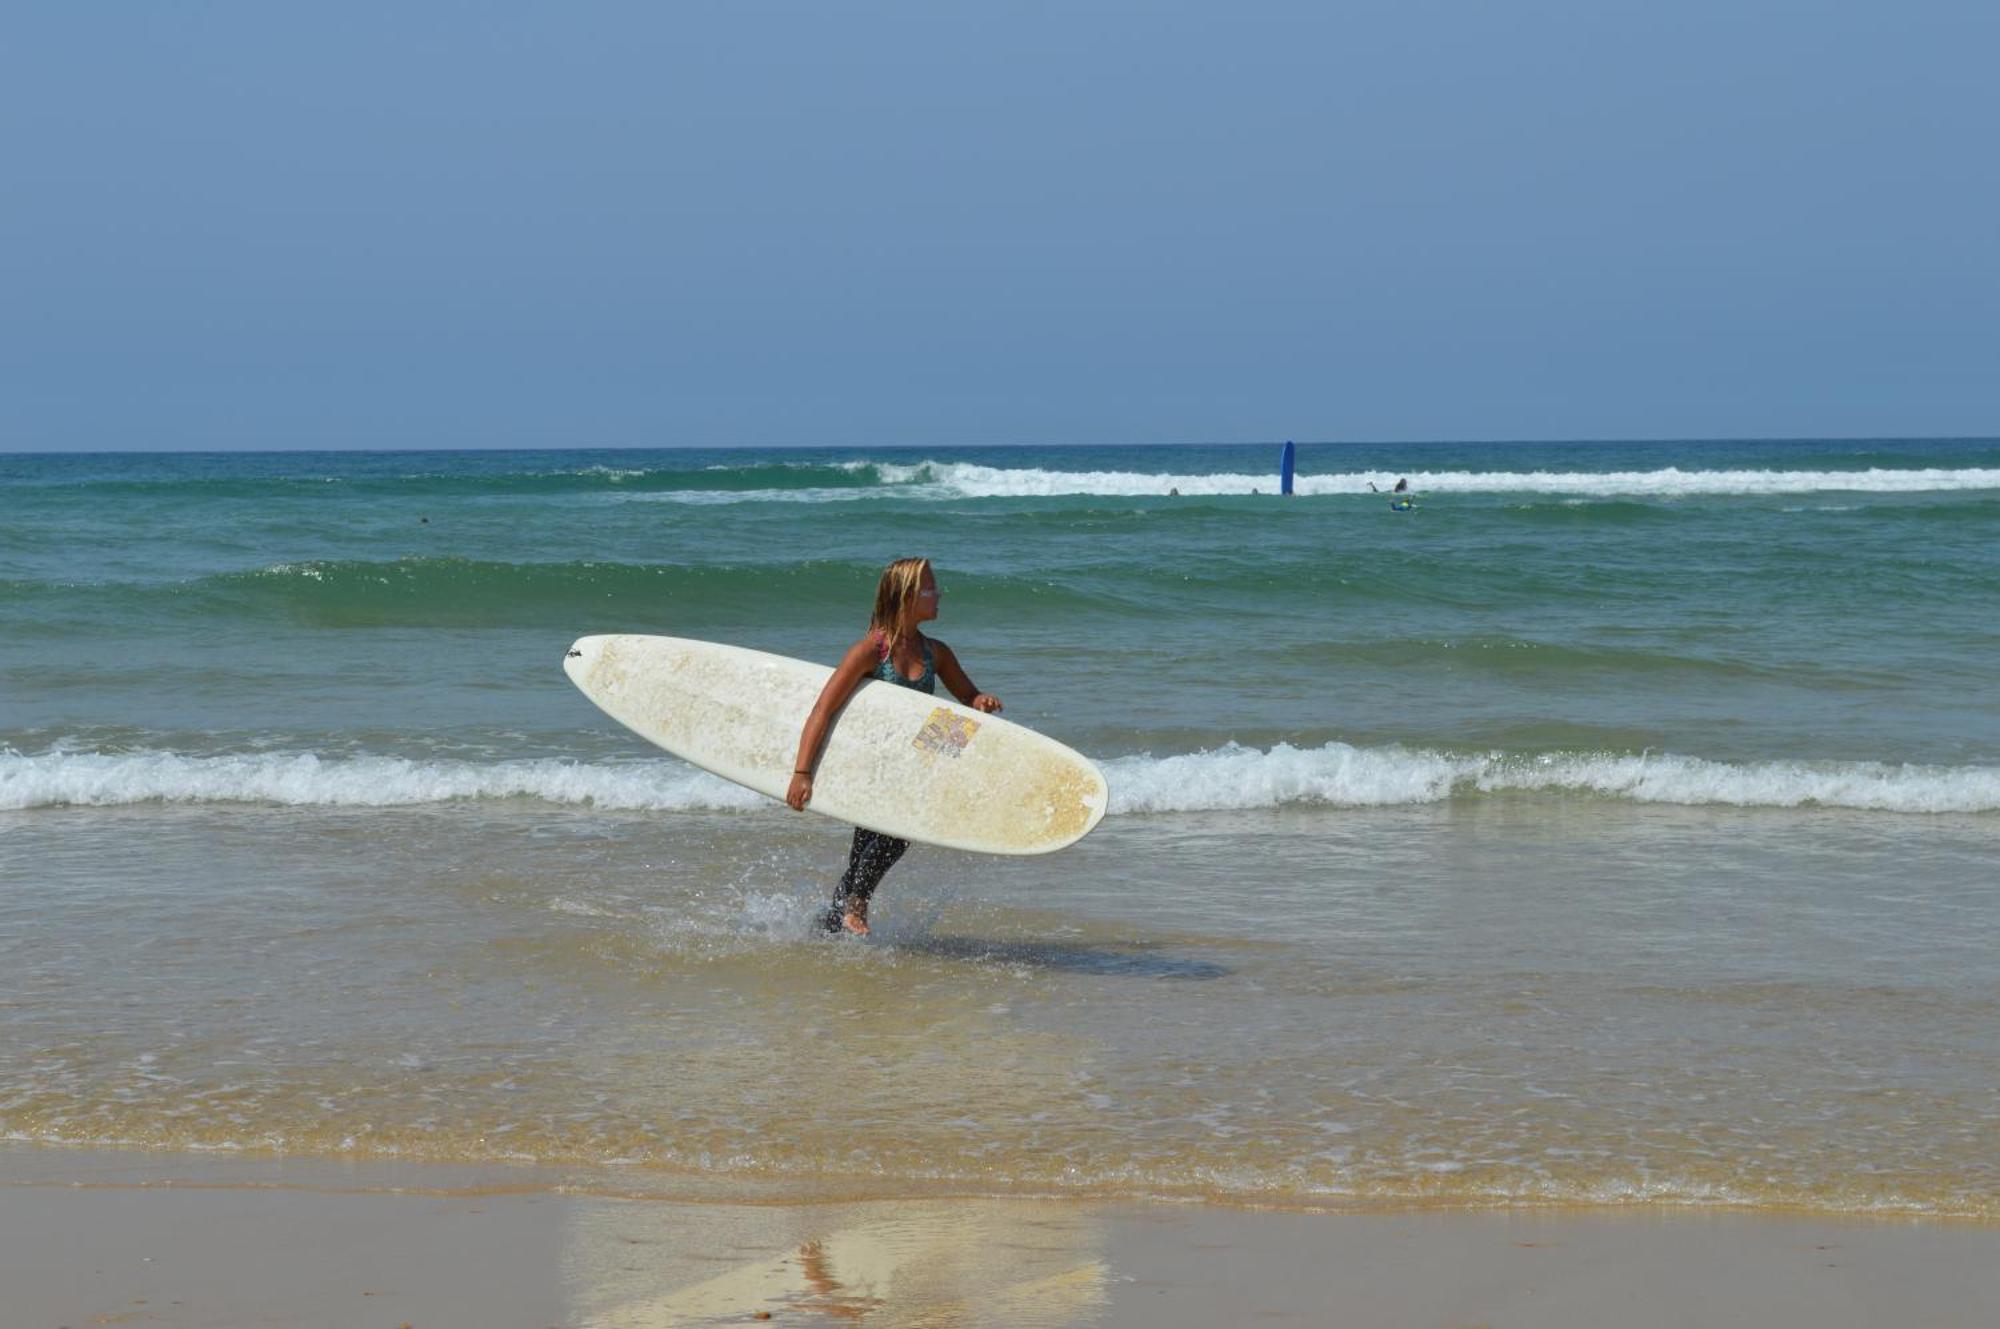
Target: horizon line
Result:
[[1578, 440]]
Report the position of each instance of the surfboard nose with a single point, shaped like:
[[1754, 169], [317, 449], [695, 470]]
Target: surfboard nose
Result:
[[581, 655]]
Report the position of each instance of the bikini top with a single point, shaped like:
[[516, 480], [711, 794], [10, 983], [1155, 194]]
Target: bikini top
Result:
[[886, 670]]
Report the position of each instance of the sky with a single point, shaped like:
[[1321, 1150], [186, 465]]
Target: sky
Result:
[[247, 225]]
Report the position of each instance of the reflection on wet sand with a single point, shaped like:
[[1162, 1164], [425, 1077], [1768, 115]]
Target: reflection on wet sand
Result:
[[1121, 959], [941, 1265]]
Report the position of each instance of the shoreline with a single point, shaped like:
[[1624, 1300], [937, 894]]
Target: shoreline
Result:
[[97, 1166], [98, 1236]]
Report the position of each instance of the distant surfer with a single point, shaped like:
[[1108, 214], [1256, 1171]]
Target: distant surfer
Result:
[[1400, 497], [895, 652]]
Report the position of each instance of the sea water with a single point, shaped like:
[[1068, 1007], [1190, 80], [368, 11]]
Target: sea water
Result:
[[1618, 825]]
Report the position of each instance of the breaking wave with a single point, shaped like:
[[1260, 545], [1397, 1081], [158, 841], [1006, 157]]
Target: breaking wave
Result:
[[1336, 775], [1341, 775], [963, 479]]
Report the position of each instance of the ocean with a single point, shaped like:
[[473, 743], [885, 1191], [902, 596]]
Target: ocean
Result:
[[1618, 826]]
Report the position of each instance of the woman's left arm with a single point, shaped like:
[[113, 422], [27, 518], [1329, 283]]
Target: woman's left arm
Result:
[[961, 687]]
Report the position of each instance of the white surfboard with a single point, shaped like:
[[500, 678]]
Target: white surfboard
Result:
[[898, 761]]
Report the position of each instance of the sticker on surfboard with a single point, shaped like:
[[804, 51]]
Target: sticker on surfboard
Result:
[[945, 731]]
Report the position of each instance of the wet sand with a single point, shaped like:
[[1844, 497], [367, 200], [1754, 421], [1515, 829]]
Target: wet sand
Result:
[[147, 1239]]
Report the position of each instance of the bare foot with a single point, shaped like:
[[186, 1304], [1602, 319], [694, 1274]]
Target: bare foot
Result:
[[855, 919]]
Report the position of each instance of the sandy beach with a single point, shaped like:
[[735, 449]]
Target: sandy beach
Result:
[[100, 1238]]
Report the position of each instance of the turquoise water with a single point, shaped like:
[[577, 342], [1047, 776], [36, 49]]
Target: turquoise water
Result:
[[1739, 603], [1654, 781]]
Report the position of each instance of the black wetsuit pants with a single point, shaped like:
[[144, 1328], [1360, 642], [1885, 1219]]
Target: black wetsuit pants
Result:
[[871, 856]]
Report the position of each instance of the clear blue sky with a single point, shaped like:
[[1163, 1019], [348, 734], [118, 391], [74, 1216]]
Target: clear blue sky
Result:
[[506, 224]]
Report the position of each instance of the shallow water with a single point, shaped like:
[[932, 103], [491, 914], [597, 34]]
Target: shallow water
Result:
[[1610, 841], [1472, 1002]]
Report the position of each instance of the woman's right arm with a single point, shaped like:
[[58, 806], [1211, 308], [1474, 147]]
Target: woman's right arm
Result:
[[855, 666]]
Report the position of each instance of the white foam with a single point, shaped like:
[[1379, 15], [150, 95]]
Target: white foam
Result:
[[1339, 775], [1232, 777], [946, 481], [723, 497], [302, 779], [965, 480]]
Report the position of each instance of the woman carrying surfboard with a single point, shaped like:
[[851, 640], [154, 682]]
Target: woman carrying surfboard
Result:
[[895, 651]]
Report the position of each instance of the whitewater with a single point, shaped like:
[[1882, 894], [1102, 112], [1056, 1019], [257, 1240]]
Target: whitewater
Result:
[[1335, 775], [938, 481], [965, 480]]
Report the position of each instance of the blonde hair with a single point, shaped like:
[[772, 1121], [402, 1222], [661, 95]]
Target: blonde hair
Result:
[[896, 596]]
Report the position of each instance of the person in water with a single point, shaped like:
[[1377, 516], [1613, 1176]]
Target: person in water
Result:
[[1400, 498], [895, 651]]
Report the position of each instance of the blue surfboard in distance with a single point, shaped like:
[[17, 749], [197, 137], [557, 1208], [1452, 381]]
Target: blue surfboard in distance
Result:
[[1285, 467]]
